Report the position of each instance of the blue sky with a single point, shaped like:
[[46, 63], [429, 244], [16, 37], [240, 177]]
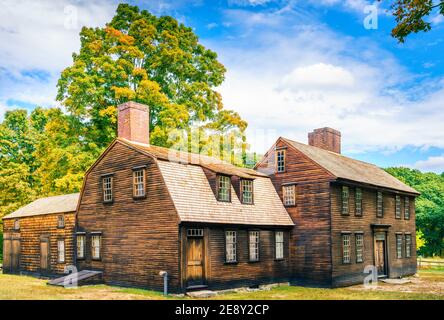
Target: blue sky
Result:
[[292, 65]]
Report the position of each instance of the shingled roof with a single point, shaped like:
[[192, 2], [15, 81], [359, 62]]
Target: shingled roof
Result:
[[194, 199], [346, 168], [56, 204]]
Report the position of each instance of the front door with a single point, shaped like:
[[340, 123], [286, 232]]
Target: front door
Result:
[[380, 257], [15, 258], [44, 256], [11, 255], [195, 260]]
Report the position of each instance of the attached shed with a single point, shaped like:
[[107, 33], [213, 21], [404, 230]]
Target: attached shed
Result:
[[39, 237]]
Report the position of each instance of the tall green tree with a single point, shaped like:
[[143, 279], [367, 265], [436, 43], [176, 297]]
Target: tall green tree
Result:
[[411, 16], [151, 60]]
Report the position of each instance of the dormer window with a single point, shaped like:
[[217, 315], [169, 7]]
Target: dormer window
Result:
[[139, 183], [107, 186], [247, 191], [223, 188], [280, 161]]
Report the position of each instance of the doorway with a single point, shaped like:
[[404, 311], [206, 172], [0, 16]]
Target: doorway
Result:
[[11, 255], [381, 253], [195, 263], [44, 255]]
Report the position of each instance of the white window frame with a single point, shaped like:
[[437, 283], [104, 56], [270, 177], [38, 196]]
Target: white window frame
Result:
[[398, 207], [359, 243], [107, 188], [379, 204], [17, 224], [280, 160], [247, 191], [408, 245], [279, 245], [346, 248], [345, 200], [407, 208], [139, 183], [81, 246], [96, 246], [289, 195], [223, 188], [61, 250], [230, 246], [399, 246], [61, 221], [358, 202], [254, 245]]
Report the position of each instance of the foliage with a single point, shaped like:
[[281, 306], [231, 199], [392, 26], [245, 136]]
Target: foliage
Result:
[[411, 16], [429, 207]]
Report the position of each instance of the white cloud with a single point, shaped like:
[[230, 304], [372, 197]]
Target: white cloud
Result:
[[245, 3], [431, 164]]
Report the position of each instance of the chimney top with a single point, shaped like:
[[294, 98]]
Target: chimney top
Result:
[[133, 122], [325, 138]]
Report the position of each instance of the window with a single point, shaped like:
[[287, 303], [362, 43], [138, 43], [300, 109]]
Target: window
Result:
[[280, 161], [398, 207], [289, 195], [195, 233], [107, 183], [230, 246], [16, 224], [408, 245], [61, 221], [223, 190], [358, 202], [139, 183], [379, 205], [346, 248], [247, 191], [96, 242], [399, 246], [61, 251], [254, 245], [279, 244], [359, 237], [81, 246], [407, 208], [345, 198]]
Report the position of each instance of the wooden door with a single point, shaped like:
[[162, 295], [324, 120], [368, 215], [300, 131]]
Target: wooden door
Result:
[[44, 256], [7, 255], [15, 255], [195, 261], [380, 257]]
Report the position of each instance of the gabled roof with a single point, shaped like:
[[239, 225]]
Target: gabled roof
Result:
[[56, 204], [346, 168], [195, 200]]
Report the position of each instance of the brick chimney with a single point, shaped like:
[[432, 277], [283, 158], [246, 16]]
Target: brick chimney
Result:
[[325, 138], [133, 121]]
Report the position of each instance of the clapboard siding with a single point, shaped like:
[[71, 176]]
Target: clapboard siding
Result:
[[139, 237], [346, 274], [31, 230]]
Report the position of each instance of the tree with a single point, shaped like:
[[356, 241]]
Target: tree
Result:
[[410, 16], [151, 60]]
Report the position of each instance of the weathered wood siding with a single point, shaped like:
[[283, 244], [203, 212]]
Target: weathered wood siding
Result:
[[139, 237], [346, 274], [31, 230], [310, 240], [222, 275]]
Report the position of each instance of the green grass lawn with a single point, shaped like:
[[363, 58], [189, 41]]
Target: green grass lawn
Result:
[[429, 285]]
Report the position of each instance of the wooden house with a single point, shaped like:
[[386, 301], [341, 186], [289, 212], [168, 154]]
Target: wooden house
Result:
[[39, 238], [348, 214], [145, 209]]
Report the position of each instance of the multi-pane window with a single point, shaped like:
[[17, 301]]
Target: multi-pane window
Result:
[[81, 246], [408, 245], [280, 160], [107, 185], [139, 183], [254, 245], [358, 202], [346, 248], [223, 190], [61, 221], [359, 237], [247, 191], [399, 246], [16, 224], [345, 200], [379, 205], [406, 208], [230, 246], [289, 194], [61, 251], [279, 244], [398, 207], [96, 242]]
